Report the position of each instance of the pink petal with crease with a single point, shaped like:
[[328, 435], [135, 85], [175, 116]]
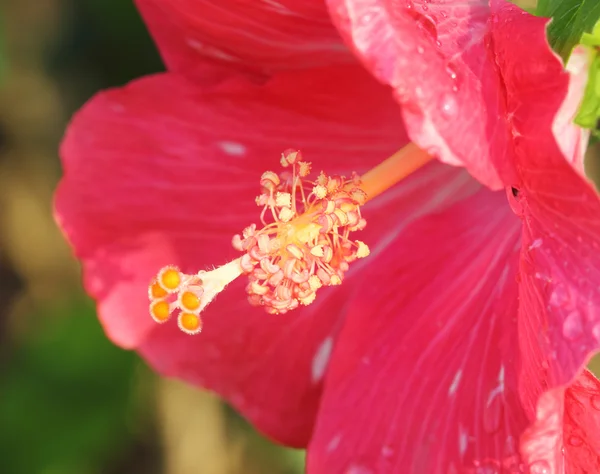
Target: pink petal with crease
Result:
[[160, 172], [423, 378], [208, 39]]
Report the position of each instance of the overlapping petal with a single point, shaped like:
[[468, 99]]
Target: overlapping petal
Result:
[[161, 172], [209, 39], [424, 376], [442, 60], [566, 434], [560, 265]]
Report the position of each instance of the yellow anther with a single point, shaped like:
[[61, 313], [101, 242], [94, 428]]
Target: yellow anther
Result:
[[335, 280], [320, 191], [342, 217], [286, 214], [283, 200], [315, 282], [160, 311], [189, 323], [359, 196], [289, 157], [295, 251], [269, 180], [303, 169], [317, 251], [189, 301], [308, 299], [169, 279], [363, 249], [322, 179]]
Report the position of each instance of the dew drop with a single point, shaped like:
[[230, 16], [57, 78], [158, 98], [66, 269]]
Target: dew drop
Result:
[[451, 70], [420, 49], [449, 105], [489, 466], [573, 326], [575, 440], [387, 451], [494, 411], [487, 470], [425, 8], [539, 467], [358, 469], [559, 296], [536, 244]]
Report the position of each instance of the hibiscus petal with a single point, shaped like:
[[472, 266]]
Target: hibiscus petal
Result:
[[560, 267], [423, 378], [440, 58], [208, 39], [566, 435], [161, 172]]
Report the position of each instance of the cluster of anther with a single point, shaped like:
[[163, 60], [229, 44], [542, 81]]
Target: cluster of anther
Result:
[[173, 291], [305, 240]]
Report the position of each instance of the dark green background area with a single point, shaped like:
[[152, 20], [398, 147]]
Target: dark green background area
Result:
[[71, 402]]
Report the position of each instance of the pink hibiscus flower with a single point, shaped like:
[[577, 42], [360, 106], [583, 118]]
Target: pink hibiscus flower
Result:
[[457, 346]]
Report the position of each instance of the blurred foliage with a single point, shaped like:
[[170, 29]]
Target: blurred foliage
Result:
[[70, 401], [570, 20], [67, 402]]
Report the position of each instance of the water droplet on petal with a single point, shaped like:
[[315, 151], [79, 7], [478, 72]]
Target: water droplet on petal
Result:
[[448, 105], [358, 469], [560, 296], [573, 326], [425, 8], [575, 440], [387, 451], [420, 49], [537, 243], [494, 411], [489, 466], [539, 467]]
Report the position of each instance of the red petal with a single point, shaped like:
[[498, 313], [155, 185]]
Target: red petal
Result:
[[560, 267], [566, 436], [423, 378], [159, 172], [207, 38], [442, 59]]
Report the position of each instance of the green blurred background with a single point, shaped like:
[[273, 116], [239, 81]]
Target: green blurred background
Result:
[[70, 401]]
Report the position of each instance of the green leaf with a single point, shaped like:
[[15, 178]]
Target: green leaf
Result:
[[589, 110], [570, 20]]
